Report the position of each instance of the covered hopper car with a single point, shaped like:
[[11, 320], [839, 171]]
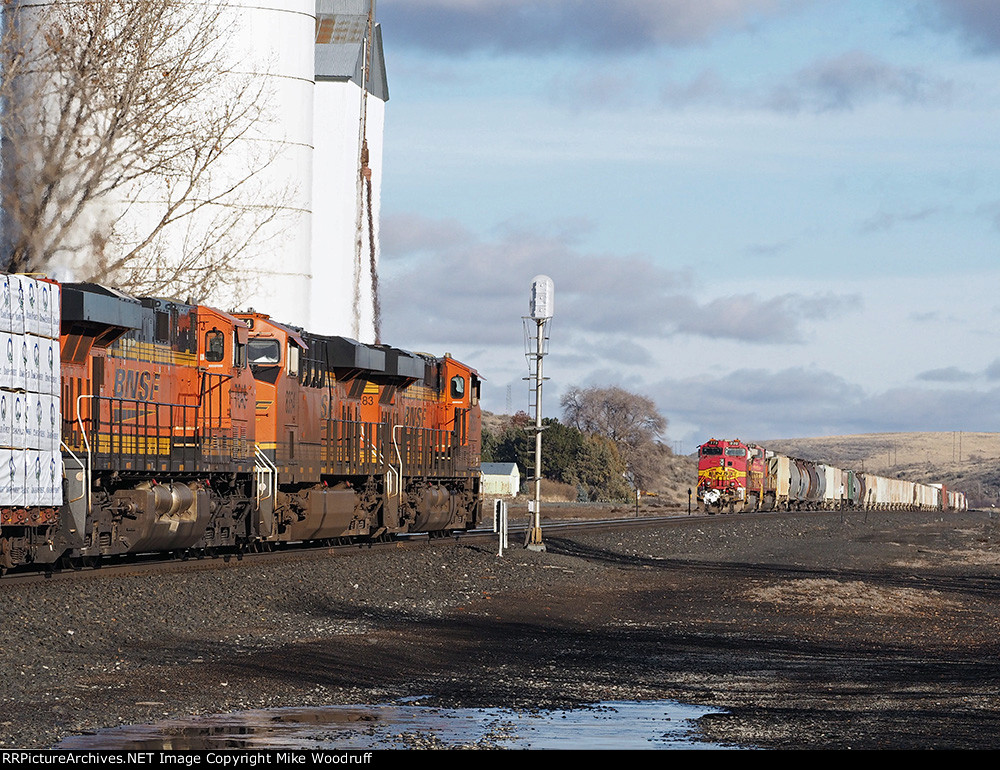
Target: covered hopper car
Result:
[[152, 425]]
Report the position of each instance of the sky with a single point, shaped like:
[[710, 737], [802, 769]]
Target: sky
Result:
[[776, 218]]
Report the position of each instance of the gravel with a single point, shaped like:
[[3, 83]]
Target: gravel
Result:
[[814, 631]]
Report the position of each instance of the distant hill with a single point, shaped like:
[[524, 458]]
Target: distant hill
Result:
[[969, 462]]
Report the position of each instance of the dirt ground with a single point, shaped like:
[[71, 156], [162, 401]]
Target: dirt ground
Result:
[[877, 630]]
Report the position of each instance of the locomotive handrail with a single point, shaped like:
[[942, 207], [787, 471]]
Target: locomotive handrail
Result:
[[86, 443], [272, 471], [83, 467], [395, 446], [151, 425]]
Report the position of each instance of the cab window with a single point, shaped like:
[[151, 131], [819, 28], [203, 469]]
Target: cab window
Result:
[[239, 353], [215, 346], [264, 352], [457, 387]]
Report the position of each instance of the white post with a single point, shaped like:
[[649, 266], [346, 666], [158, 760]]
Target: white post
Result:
[[500, 523]]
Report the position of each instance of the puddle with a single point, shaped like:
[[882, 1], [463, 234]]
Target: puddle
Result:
[[612, 725]]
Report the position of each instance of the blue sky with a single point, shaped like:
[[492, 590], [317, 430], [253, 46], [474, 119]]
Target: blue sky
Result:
[[776, 218]]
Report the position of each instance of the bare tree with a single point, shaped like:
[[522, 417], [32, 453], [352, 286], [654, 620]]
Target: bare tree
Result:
[[121, 126], [631, 421]]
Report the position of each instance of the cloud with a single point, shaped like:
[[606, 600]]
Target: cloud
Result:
[[759, 403], [976, 21], [769, 320], [406, 235], [992, 371], [948, 374], [907, 409], [885, 221], [847, 81], [601, 90], [793, 402], [539, 27], [707, 87], [769, 249], [614, 296], [992, 211], [622, 351]]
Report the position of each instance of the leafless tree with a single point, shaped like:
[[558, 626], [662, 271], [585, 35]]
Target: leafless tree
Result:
[[631, 421], [126, 147]]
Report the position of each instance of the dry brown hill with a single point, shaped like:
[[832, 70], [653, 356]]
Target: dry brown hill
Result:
[[969, 462]]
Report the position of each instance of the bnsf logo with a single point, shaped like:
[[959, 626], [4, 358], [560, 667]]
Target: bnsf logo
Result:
[[139, 386]]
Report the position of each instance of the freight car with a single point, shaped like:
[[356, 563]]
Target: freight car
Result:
[[734, 476], [173, 427]]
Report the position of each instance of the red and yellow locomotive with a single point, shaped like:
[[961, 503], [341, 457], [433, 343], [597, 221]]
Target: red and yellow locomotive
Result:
[[186, 428], [731, 475]]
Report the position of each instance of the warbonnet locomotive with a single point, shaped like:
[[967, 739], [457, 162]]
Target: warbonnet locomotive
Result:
[[150, 425], [734, 476]]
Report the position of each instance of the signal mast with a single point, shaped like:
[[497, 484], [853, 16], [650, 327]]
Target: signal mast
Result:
[[536, 336]]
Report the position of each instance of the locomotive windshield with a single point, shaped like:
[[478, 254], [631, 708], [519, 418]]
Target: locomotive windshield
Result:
[[711, 450], [263, 352]]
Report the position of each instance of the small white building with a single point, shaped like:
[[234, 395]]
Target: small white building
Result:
[[500, 479]]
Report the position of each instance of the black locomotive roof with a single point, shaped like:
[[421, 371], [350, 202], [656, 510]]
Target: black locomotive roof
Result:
[[401, 363], [94, 304]]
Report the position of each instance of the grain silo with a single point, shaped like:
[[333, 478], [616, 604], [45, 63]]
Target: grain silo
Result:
[[351, 92], [306, 59]]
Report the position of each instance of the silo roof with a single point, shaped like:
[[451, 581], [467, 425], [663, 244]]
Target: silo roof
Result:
[[340, 33]]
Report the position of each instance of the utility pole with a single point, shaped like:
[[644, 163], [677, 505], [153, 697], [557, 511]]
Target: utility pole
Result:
[[536, 336]]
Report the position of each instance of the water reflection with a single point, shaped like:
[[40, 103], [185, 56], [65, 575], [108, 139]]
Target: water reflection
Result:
[[612, 725]]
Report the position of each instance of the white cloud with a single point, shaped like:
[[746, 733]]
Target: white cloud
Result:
[[603, 294], [539, 27], [852, 79]]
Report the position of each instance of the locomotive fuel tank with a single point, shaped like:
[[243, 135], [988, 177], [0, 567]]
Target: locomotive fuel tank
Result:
[[160, 517]]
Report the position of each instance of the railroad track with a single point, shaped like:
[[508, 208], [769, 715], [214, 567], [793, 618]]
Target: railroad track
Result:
[[176, 563]]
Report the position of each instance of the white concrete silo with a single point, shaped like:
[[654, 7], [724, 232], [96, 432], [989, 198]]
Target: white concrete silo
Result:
[[341, 265], [308, 59], [267, 48], [276, 37], [271, 41]]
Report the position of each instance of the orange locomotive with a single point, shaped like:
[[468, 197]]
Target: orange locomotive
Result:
[[158, 419], [188, 429], [361, 440]]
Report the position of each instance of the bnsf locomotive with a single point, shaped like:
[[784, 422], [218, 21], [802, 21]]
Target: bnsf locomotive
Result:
[[734, 476], [172, 427]]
